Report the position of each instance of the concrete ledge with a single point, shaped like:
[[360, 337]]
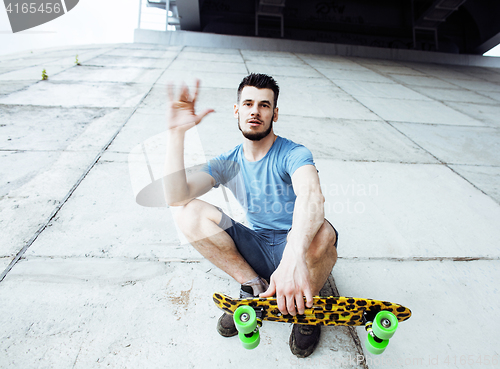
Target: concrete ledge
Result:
[[200, 39]]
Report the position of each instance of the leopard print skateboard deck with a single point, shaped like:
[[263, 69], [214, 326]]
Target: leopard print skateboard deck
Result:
[[344, 311]]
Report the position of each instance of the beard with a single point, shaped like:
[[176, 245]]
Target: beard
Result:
[[256, 136]]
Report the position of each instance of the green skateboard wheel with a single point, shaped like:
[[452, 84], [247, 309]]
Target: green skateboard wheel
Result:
[[385, 325], [250, 341], [245, 319], [375, 347]]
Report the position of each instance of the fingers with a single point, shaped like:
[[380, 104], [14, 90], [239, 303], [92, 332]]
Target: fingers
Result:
[[196, 88], [282, 304], [299, 301], [270, 291], [309, 298], [182, 108], [291, 302], [293, 305], [299, 304], [184, 97], [203, 114], [290, 305]]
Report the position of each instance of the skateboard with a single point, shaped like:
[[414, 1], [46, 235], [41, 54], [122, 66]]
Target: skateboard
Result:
[[380, 318]]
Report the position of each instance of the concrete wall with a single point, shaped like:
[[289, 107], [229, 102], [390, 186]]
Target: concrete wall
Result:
[[200, 39]]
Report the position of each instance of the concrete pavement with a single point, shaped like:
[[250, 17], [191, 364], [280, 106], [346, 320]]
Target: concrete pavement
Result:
[[408, 155]]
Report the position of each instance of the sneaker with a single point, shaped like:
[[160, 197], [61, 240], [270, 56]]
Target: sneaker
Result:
[[253, 288], [304, 339], [226, 327], [250, 289]]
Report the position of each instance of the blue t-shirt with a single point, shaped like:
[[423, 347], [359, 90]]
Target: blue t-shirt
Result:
[[263, 188]]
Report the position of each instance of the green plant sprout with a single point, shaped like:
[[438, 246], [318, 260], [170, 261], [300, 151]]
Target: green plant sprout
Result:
[[44, 75], [76, 60]]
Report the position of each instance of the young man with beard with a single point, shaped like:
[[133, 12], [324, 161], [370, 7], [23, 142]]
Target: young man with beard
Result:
[[290, 249]]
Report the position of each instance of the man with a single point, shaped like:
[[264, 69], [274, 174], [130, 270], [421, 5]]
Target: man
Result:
[[290, 244]]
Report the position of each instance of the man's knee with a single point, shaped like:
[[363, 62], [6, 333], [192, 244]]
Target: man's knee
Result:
[[324, 243], [185, 216], [190, 216]]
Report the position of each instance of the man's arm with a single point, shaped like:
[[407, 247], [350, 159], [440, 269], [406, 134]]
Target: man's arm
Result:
[[179, 188], [291, 280]]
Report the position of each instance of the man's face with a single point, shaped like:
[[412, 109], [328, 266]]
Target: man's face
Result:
[[255, 112]]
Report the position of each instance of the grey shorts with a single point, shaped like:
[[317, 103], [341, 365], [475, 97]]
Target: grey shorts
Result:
[[263, 249]]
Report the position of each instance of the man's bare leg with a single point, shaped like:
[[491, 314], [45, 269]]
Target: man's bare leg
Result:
[[321, 256], [199, 221]]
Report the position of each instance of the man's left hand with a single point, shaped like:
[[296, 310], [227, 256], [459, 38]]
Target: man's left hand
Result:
[[290, 283]]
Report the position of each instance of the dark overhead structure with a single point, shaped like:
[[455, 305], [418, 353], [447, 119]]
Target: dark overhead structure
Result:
[[452, 26]]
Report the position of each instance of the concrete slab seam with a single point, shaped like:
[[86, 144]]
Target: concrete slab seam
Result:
[[55, 74], [389, 76], [78, 182], [121, 259], [54, 60], [244, 61], [387, 122], [443, 163], [447, 103], [328, 79], [422, 258], [352, 330]]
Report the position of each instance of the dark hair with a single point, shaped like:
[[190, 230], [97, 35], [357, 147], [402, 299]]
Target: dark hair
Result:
[[260, 81]]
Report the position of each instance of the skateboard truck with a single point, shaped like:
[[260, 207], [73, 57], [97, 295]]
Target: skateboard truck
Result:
[[380, 326], [245, 318], [248, 320], [368, 322]]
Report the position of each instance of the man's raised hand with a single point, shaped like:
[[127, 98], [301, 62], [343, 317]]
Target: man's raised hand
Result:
[[181, 115]]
